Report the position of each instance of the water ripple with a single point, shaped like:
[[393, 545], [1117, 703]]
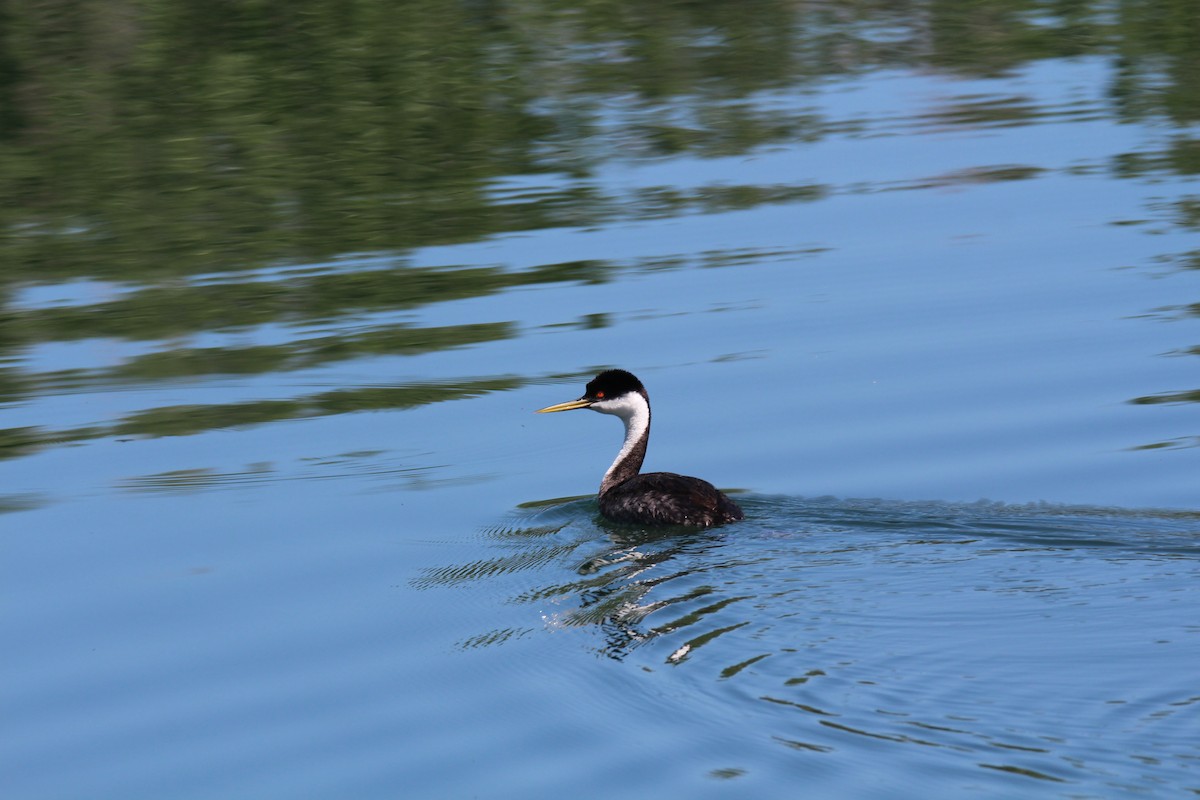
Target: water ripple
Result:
[[970, 630]]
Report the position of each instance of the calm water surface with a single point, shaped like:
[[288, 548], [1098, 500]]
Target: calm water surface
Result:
[[918, 285]]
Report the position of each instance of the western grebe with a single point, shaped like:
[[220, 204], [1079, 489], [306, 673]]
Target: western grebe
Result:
[[655, 498]]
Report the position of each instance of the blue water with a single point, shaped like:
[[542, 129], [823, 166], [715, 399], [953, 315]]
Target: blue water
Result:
[[422, 601]]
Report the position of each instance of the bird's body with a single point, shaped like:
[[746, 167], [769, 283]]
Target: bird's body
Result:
[[655, 498], [664, 498]]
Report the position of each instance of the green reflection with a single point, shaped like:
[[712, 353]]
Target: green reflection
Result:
[[157, 144], [19, 441], [1180, 156], [1192, 396], [191, 362], [160, 312], [19, 502], [188, 419], [183, 420], [154, 137], [188, 311]]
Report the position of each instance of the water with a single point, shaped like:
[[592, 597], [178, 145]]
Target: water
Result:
[[918, 286], [921, 643]]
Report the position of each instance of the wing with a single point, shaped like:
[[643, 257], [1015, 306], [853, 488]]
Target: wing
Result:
[[664, 498]]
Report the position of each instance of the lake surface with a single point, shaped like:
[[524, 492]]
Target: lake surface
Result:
[[918, 285]]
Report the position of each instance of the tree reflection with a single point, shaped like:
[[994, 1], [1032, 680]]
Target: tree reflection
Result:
[[175, 149]]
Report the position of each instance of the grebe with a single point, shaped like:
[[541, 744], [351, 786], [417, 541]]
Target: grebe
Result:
[[655, 498]]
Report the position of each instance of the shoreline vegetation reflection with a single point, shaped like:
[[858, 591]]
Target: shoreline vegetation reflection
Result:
[[144, 148], [947, 216]]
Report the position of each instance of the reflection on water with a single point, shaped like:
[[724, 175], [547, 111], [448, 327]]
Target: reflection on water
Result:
[[972, 630], [18, 502], [239, 309], [240, 213], [277, 281], [411, 472], [192, 419]]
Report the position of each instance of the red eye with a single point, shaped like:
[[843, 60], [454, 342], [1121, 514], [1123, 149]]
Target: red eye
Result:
[[599, 395]]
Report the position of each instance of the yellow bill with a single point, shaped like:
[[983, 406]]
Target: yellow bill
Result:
[[568, 406]]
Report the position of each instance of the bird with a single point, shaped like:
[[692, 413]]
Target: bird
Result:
[[652, 498]]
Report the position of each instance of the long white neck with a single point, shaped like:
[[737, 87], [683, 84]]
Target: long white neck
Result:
[[634, 411]]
